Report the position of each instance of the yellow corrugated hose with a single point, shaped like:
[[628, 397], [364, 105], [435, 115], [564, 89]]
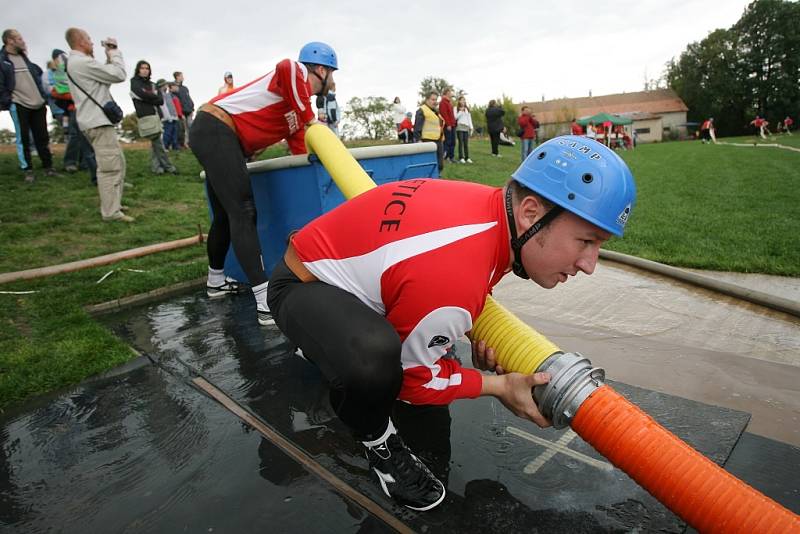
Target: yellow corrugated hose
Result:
[[350, 178]]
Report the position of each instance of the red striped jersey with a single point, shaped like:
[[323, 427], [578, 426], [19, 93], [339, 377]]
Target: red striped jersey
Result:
[[273, 107], [424, 253]]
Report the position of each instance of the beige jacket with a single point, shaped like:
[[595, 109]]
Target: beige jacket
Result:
[[95, 78]]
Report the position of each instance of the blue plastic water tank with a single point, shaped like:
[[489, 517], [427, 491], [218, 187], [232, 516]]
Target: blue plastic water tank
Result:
[[292, 190]]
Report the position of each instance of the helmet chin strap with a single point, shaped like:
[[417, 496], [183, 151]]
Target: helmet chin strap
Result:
[[518, 242], [324, 81]]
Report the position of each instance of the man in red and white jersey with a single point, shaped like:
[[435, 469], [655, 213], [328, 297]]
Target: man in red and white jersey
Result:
[[230, 129], [378, 309]]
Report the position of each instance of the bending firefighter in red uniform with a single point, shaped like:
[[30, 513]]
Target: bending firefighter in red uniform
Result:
[[234, 126], [378, 309]]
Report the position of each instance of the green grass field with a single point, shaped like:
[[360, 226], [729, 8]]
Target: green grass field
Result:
[[701, 206]]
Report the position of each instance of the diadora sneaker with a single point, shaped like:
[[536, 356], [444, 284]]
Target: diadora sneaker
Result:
[[403, 477], [228, 287], [265, 317]]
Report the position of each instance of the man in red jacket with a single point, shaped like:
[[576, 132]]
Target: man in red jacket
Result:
[[449, 118], [230, 129], [527, 127]]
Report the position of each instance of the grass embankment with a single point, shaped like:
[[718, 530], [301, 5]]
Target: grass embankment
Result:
[[714, 207]]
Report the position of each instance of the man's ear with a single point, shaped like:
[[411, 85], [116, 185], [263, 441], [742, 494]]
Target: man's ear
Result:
[[529, 210]]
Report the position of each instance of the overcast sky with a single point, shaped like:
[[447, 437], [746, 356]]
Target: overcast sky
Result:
[[524, 49]]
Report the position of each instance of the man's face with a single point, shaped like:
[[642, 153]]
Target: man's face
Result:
[[85, 44], [179, 78], [563, 248], [16, 43]]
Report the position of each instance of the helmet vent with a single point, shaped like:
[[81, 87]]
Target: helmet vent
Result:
[[542, 155], [571, 196], [587, 178]]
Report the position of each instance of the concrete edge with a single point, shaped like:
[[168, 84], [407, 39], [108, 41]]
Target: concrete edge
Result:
[[750, 295], [142, 298]]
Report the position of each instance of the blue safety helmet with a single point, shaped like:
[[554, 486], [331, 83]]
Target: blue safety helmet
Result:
[[584, 177], [319, 54]]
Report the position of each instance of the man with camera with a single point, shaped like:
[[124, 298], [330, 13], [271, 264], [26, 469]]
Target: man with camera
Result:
[[90, 83]]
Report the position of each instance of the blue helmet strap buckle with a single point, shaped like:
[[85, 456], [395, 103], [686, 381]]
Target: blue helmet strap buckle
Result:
[[518, 242]]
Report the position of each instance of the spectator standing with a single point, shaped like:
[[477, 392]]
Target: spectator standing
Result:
[[87, 76], [332, 110], [576, 128], [398, 112], [449, 118], [230, 129], [188, 107], [527, 130], [405, 130], [591, 133], [169, 115], [494, 125], [463, 129], [176, 101], [78, 151], [227, 86], [705, 131], [428, 125], [146, 101], [21, 85], [760, 125]]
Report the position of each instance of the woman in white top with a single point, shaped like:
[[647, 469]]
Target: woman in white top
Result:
[[590, 131], [463, 129], [398, 112]]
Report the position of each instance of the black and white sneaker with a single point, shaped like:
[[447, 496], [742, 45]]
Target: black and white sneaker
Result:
[[229, 287], [402, 475], [265, 317]]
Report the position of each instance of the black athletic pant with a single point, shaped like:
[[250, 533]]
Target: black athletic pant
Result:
[[35, 121], [217, 148], [355, 348], [494, 137], [463, 144]]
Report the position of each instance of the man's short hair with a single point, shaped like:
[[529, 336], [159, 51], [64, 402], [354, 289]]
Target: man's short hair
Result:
[[176, 74], [524, 108], [7, 35], [72, 35], [432, 93], [520, 191]]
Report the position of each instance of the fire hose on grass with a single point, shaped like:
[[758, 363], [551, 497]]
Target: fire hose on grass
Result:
[[692, 486]]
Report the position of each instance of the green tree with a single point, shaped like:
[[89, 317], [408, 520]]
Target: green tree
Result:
[[7, 137], [432, 83], [752, 67], [510, 118], [369, 117], [56, 132], [478, 118]]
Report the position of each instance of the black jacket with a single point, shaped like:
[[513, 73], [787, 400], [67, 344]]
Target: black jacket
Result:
[[149, 98], [186, 101], [494, 119], [8, 80]]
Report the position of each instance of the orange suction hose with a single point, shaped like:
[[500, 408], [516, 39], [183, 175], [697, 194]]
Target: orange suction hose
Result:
[[692, 486]]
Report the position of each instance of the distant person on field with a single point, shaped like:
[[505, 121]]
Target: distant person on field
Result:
[[227, 86], [332, 111], [707, 131], [398, 112], [575, 128], [147, 100], [527, 129], [787, 125], [760, 124], [96, 78], [449, 118], [188, 108], [494, 125], [405, 130], [428, 125], [463, 129], [169, 115], [591, 133], [21, 86]]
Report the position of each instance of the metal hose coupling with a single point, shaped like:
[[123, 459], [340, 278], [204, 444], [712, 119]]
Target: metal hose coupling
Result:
[[572, 380]]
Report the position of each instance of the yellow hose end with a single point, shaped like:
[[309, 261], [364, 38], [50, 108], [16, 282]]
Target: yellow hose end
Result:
[[348, 175], [519, 348]]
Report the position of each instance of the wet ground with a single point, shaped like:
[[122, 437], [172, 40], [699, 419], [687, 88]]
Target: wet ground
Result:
[[145, 451]]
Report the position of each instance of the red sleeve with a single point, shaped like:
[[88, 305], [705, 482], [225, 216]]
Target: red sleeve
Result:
[[446, 110], [462, 383], [290, 82], [297, 142]]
